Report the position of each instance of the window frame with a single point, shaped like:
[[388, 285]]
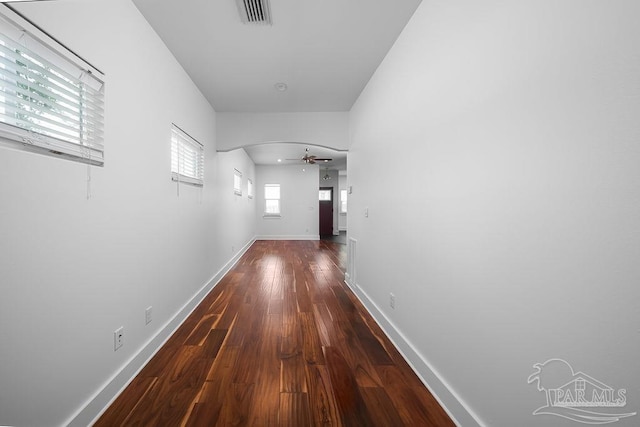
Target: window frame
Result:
[[237, 182], [181, 143], [268, 214], [51, 101], [321, 192], [343, 201], [249, 188]]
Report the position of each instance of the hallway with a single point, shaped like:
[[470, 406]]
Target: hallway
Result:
[[281, 341]]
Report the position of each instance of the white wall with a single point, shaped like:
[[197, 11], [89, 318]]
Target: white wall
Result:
[[235, 224], [508, 230], [241, 129], [298, 202], [73, 270]]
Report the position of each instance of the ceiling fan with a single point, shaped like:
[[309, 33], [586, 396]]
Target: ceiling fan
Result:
[[311, 160]]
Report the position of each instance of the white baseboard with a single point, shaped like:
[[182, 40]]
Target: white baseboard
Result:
[[448, 399], [100, 401], [349, 283], [289, 237]]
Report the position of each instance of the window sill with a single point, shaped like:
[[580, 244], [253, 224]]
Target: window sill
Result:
[[275, 216], [186, 180]]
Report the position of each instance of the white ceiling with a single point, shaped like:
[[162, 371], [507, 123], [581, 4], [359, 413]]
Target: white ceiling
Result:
[[324, 50], [292, 153]]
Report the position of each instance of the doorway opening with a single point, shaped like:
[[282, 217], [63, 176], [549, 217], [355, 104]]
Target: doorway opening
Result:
[[325, 198]]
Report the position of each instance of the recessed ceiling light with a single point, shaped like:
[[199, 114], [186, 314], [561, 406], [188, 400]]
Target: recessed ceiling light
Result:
[[281, 87], [279, 160]]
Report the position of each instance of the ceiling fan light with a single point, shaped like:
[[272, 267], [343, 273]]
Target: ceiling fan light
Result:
[[281, 87]]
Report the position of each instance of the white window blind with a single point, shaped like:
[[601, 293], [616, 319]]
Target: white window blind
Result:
[[343, 201], [237, 182], [272, 199], [48, 102], [187, 158]]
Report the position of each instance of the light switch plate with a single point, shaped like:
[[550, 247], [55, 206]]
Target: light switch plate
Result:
[[118, 338]]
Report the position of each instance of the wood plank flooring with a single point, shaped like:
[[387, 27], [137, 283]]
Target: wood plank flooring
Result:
[[280, 341]]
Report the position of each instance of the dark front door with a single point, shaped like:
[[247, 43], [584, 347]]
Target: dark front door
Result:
[[326, 211]]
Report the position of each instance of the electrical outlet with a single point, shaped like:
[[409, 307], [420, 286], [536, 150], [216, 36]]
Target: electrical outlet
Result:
[[147, 315], [118, 338], [392, 301]]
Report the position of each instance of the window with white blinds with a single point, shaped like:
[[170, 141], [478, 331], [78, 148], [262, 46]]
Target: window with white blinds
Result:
[[48, 102], [343, 201], [272, 200], [187, 158], [237, 182]]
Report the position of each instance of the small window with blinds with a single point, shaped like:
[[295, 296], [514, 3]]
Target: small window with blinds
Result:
[[50, 101], [272, 200], [187, 158], [343, 201], [237, 182]]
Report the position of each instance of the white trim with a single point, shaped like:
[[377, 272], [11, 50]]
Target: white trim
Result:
[[176, 177], [289, 237], [450, 401], [95, 406]]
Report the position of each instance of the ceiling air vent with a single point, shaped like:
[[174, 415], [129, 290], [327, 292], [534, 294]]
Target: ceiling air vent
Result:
[[254, 11]]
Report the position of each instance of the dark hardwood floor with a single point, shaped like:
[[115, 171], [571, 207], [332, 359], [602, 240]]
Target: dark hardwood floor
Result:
[[280, 341], [340, 238]]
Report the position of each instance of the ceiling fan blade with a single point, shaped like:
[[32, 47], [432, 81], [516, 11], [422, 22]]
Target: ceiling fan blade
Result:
[[311, 159]]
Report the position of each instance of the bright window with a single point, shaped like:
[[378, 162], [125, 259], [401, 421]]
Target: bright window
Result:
[[250, 188], [343, 201], [49, 103], [187, 158], [237, 182], [324, 195], [272, 199]]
